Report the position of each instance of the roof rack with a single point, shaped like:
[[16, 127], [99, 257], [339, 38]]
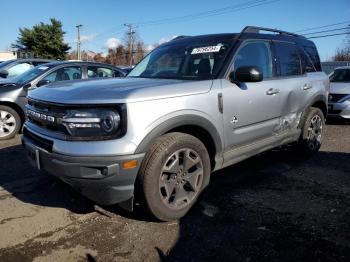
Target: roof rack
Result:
[[256, 29], [179, 37]]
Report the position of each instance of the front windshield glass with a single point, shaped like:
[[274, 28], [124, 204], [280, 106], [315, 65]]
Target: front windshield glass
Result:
[[192, 61], [30, 74], [340, 75]]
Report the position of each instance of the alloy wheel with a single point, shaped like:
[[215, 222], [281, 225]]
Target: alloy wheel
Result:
[[315, 132], [181, 178], [7, 123]]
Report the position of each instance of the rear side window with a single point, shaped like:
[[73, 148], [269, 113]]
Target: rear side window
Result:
[[313, 54], [98, 72], [117, 73], [308, 66], [289, 59]]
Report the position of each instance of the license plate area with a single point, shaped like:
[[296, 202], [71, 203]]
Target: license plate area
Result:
[[33, 155]]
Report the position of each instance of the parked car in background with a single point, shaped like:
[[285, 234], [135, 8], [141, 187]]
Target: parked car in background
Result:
[[192, 106], [127, 69], [13, 92], [12, 68], [339, 95]]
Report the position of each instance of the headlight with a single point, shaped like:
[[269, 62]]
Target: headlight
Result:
[[97, 123]]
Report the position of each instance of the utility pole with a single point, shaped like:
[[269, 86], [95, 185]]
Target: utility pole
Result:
[[78, 43], [130, 33]]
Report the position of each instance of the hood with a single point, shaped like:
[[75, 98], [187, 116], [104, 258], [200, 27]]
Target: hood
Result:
[[8, 86], [116, 90], [340, 88]]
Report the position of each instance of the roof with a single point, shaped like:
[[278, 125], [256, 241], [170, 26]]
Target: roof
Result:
[[78, 63], [247, 33]]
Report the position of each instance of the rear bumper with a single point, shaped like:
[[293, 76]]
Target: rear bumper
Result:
[[101, 179]]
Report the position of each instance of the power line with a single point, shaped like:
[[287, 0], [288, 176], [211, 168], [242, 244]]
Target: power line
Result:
[[322, 36], [323, 26], [326, 31], [215, 12]]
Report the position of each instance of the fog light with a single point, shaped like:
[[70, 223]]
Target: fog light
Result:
[[129, 164]]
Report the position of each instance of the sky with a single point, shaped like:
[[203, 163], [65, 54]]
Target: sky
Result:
[[103, 21]]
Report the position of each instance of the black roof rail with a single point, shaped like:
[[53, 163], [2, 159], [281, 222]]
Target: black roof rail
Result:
[[256, 29], [179, 37]]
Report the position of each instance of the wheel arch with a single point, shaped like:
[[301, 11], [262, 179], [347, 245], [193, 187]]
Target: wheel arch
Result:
[[319, 102], [194, 125], [15, 107]]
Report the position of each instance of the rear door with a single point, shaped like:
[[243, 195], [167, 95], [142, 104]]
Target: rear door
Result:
[[295, 83]]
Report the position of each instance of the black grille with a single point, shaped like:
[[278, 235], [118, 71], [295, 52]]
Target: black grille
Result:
[[47, 109], [334, 98], [38, 141]]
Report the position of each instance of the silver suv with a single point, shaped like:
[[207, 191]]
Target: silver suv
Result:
[[192, 106]]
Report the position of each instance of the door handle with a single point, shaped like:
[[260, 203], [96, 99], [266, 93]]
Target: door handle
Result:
[[272, 91], [307, 87]]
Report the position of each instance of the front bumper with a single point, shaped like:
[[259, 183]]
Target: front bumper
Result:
[[101, 179], [340, 110]]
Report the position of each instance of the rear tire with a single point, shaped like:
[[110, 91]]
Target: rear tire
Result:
[[10, 122], [172, 175], [312, 132]]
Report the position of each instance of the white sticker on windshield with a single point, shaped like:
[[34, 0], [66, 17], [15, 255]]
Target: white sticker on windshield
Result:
[[206, 49], [43, 68]]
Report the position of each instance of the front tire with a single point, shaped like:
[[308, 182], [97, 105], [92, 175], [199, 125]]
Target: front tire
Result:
[[312, 132], [173, 174], [10, 122]]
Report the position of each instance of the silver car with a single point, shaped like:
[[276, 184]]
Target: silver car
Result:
[[192, 106], [339, 95]]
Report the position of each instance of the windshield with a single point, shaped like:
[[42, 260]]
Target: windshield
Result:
[[340, 75], [30, 74], [192, 61]]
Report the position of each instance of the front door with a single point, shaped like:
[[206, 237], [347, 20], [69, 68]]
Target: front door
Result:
[[251, 111]]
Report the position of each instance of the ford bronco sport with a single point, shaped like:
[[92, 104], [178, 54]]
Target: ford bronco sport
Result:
[[192, 106]]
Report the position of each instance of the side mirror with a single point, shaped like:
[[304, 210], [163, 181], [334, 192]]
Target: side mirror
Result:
[[4, 73], [43, 82], [247, 74], [27, 86]]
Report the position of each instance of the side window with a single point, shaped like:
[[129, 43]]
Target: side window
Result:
[[118, 73], [19, 69], [313, 54], [97, 72], [257, 53], [307, 64], [65, 73], [289, 59]]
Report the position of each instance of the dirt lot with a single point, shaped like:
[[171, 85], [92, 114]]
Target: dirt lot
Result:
[[277, 206]]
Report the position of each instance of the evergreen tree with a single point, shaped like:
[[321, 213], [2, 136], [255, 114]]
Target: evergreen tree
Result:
[[43, 40]]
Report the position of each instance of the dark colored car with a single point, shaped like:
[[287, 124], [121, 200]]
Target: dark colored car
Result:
[[13, 92], [15, 67]]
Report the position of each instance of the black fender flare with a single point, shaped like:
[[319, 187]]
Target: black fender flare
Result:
[[178, 121], [316, 99]]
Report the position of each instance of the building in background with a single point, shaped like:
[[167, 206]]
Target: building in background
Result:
[[7, 55], [328, 67]]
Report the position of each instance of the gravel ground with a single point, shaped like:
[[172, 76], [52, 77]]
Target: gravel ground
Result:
[[278, 206]]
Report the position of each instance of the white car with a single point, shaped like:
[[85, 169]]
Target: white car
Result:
[[339, 95]]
